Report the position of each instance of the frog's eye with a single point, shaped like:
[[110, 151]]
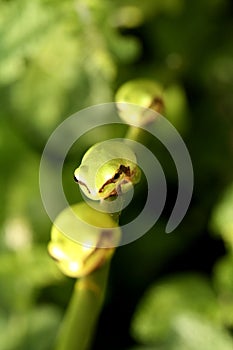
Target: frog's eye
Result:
[[116, 176], [106, 169]]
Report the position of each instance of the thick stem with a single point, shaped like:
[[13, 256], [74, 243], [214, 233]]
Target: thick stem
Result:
[[79, 323], [134, 133]]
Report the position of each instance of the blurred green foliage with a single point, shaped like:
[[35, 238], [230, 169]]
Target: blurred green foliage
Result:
[[57, 57], [222, 222], [167, 300]]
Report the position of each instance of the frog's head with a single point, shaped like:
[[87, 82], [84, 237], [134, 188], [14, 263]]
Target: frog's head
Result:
[[103, 174]]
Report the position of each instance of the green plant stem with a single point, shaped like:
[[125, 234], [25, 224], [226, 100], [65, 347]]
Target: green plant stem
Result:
[[134, 133], [85, 305]]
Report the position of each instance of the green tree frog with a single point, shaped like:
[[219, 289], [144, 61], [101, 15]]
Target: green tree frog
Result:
[[144, 93], [107, 169], [75, 259]]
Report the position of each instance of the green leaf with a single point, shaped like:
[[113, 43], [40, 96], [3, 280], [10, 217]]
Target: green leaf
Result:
[[223, 279], [223, 274], [222, 221], [192, 332], [166, 300], [34, 330], [22, 274], [176, 110]]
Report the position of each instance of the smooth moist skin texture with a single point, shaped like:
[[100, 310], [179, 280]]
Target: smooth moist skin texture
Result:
[[107, 169]]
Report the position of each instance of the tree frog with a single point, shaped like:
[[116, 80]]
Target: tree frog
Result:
[[107, 169], [136, 98], [77, 259]]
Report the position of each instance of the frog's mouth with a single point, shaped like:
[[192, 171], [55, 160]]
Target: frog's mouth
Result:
[[81, 183]]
